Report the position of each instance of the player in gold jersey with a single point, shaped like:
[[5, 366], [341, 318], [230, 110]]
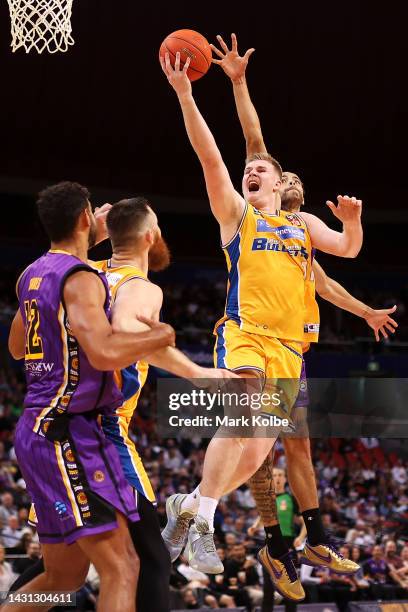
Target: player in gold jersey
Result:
[[318, 550], [268, 253]]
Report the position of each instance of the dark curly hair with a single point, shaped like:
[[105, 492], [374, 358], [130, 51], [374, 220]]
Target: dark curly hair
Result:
[[59, 207]]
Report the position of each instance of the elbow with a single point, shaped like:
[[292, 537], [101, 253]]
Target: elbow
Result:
[[104, 360], [15, 352], [254, 144], [15, 349], [352, 253]]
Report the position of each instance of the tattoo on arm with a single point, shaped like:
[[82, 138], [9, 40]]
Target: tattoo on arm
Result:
[[263, 491]]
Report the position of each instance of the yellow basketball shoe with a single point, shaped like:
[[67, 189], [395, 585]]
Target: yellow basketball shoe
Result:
[[327, 555], [283, 574]]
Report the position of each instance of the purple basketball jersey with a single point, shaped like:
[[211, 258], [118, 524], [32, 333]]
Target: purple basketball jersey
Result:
[[60, 379]]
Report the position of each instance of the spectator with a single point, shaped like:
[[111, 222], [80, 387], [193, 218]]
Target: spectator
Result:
[[399, 473], [7, 509], [377, 574], [11, 535], [7, 576], [33, 554]]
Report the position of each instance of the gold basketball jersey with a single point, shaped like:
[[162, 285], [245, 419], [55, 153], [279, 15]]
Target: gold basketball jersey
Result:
[[267, 264]]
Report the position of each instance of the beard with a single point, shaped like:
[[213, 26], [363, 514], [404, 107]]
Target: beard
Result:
[[92, 236], [159, 256], [291, 200]]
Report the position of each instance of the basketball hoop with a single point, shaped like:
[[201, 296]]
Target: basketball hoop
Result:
[[41, 25]]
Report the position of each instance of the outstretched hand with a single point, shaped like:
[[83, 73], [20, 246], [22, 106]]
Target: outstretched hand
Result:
[[231, 62], [347, 209], [380, 321], [177, 76]]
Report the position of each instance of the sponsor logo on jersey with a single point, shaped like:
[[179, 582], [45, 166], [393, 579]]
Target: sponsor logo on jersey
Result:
[[285, 232], [99, 476], [294, 219], [38, 369], [269, 244]]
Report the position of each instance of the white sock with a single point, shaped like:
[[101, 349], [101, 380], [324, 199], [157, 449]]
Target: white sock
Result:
[[192, 501], [207, 508]]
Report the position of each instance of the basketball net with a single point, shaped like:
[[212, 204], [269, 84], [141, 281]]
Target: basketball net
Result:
[[41, 25]]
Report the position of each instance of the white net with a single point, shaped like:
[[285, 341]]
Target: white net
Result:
[[41, 25]]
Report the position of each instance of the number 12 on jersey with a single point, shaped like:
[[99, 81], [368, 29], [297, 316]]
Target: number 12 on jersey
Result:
[[34, 345]]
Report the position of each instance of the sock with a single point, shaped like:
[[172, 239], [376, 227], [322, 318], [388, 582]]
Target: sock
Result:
[[207, 508], [277, 546], [314, 526], [192, 501]]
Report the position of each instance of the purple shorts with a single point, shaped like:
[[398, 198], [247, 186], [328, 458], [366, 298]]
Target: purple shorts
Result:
[[76, 484], [302, 399]]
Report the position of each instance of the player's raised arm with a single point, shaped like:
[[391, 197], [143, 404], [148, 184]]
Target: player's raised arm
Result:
[[226, 203], [137, 300], [234, 67], [343, 244], [333, 292], [84, 297]]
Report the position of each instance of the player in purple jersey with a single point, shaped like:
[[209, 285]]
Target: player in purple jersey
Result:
[[297, 449], [73, 473]]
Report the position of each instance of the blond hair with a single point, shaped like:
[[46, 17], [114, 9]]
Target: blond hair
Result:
[[265, 157]]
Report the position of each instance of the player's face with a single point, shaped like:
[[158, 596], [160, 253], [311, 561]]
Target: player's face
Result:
[[159, 253], [261, 180], [291, 192], [279, 479]]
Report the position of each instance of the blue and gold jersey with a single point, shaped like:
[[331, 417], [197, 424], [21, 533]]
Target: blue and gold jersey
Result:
[[130, 381], [268, 261], [312, 314]]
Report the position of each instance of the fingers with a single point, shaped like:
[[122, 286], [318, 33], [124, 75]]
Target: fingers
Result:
[[389, 327], [248, 54], [234, 43], [217, 51], [177, 62], [222, 43], [215, 61], [390, 310], [186, 65], [147, 321], [332, 206], [384, 333]]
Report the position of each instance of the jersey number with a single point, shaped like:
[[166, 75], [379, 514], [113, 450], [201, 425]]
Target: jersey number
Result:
[[34, 345]]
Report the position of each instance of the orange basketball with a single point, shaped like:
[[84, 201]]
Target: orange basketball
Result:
[[190, 44]]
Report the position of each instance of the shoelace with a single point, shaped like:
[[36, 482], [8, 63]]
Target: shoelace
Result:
[[333, 544], [289, 566], [182, 525], [207, 542]]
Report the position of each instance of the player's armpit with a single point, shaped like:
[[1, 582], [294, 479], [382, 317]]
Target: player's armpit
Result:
[[136, 298], [84, 297], [16, 341]]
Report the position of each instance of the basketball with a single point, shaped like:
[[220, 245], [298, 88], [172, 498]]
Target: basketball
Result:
[[190, 44]]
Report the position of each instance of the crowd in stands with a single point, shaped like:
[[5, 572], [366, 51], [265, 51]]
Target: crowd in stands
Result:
[[363, 488], [193, 308], [363, 495]]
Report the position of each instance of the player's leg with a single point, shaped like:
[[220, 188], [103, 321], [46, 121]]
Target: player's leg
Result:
[[65, 569], [233, 349], [115, 559], [153, 590], [319, 550], [283, 370], [155, 566]]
